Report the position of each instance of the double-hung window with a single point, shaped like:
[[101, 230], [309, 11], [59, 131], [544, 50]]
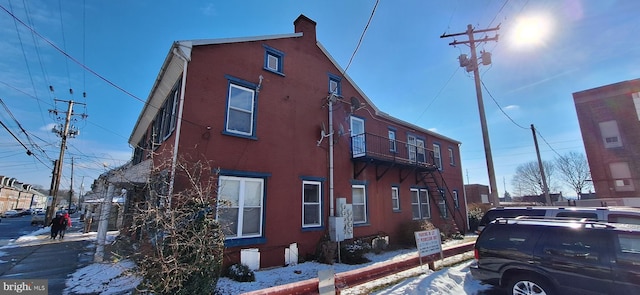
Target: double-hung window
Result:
[[452, 160], [240, 206], [359, 203], [420, 203], [395, 198], [273, 60], [437, 156], [392, 141], [311, 203], [241, 108], [456, 201]]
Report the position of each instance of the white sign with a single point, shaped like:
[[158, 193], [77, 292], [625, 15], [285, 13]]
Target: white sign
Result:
[[428, 242]]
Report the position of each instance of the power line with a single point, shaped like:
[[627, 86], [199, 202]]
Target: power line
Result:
[[499, 107], [361, 37]]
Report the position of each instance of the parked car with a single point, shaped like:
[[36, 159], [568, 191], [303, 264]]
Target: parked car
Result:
[[529, 255], [11, 213], [619, 214], [38, 218]]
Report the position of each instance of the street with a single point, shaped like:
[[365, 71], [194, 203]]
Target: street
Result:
[[14, 227]]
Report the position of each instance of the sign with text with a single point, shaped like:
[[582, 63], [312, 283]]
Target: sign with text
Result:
[[428, 242]]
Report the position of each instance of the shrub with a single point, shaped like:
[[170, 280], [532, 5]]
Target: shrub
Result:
[[241, 273], [182, 242], [406, 231], [353, 252], [476, 211]]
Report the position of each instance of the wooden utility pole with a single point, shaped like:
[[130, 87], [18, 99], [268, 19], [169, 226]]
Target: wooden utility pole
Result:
[[471, 64], [65, 132], [545, 188]]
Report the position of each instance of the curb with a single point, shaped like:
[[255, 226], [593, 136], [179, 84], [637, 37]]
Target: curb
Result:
[[349, 279]]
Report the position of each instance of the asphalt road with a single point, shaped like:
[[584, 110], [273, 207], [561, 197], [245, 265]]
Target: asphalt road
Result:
[[12, 228]]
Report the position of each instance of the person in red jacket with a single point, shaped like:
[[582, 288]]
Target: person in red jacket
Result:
[[65, 224]]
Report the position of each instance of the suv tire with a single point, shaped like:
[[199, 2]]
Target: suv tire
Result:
[[528, 285]]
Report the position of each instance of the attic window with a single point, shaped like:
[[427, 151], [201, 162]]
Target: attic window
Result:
[[273, 60]]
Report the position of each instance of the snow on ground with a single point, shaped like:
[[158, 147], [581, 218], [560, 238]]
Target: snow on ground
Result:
[[118, 277]]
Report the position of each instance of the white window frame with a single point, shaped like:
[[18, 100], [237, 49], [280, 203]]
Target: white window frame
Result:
[[335, 85], [273, 60], [421, 155], [420, 201], [456, 200], [412, 149], [395, 198], [240, 206], [437, 156], [610, 134], [442, 205], [393, 147], [359, 206], [231, 108], [317, 203], [451, 157]]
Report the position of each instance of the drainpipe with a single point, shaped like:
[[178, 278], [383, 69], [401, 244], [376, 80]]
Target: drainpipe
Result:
[[331, 207], [174, 161]]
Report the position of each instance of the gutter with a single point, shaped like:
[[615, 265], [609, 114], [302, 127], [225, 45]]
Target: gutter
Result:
[[183, 84]]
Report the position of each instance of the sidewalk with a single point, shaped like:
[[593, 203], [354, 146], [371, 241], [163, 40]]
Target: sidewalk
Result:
[[38, 257]]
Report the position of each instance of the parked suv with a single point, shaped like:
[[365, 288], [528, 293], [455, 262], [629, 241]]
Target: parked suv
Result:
[[618, 214], [559, 256]]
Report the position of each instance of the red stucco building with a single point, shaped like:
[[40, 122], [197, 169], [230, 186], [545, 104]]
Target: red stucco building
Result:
[[295, 144]]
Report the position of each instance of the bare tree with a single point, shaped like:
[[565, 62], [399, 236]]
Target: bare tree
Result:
[[528, 179], [574, 171]]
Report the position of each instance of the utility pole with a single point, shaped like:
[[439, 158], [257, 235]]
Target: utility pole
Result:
[[545, 189], [70, 189], [66, 131], [472, 65]]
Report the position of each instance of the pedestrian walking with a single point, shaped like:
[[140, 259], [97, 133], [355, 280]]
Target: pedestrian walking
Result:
[[55, 224], [64, 223]]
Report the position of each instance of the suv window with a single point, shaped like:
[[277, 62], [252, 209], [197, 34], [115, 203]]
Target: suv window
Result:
[[575, 214], [493, 214], [507, 237], [624, 218], [576, 245]]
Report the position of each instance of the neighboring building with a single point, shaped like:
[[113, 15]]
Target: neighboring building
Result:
[[295, 143], [609, 118], [477, 193], [15, 194]]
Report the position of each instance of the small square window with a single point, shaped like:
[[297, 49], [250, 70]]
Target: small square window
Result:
[[273, 60], [334, 85]]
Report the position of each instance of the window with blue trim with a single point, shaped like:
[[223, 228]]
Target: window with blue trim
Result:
[[241, 106], [452, 160], [437, 156], [311, 203], [456, 201], [395, 198], [273, 60], [420, 203], [393, 147], [359, 203], [240, 206], [335, 86]]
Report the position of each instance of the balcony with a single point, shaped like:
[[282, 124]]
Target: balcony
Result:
[[380, 150]]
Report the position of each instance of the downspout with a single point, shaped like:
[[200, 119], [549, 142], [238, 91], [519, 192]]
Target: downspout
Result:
[[174, 161], [331, 207]]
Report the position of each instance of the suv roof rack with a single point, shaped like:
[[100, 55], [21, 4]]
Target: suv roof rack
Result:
[[584, 222]]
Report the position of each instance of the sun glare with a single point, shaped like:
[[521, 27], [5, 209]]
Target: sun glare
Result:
[[531, 31]]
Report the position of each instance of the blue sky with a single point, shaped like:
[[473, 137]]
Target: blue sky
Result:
[[402, 65]]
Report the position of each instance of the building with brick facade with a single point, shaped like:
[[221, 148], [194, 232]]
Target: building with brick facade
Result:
[[299, 150], [15, 194], [609, 118]]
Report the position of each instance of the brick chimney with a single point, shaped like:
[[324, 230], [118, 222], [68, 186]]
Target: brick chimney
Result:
[[306, 26]]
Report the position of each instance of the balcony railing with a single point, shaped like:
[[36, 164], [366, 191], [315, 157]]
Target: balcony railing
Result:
[[368, 146]]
